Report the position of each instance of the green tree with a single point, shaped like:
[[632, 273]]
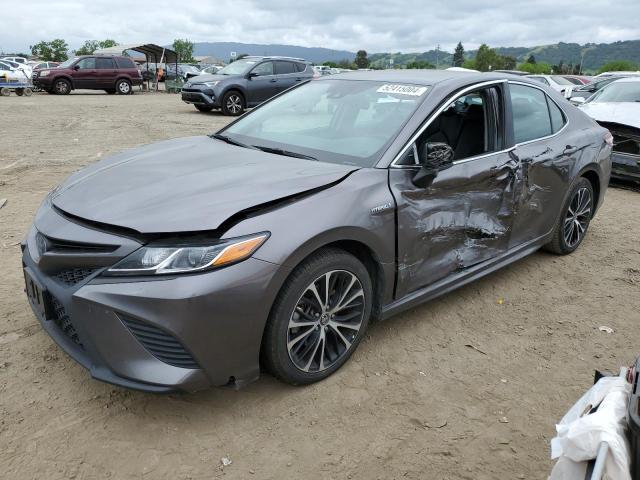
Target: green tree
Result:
[[531, 59], [90, 46], [420, 64], [508, 62], [487, 59], [535, 68], [458, 55], [344, 63], [619, 66], [184, 49], [53, 51], [470, 64], [361, 60]]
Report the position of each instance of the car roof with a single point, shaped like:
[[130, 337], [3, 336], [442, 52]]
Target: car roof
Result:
[[423, 77], [626, 79], [274, 57]]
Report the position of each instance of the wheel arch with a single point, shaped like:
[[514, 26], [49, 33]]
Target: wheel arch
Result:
[[590, 172]]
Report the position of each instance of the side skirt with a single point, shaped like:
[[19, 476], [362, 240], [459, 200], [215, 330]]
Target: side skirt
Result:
[[462, 278]]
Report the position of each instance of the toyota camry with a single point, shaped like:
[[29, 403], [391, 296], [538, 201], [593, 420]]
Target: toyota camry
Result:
[[275, 242]]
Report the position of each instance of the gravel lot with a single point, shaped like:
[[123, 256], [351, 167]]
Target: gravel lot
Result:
[[414, 402]]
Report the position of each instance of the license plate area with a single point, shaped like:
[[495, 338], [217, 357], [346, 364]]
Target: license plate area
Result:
[[38, 296]]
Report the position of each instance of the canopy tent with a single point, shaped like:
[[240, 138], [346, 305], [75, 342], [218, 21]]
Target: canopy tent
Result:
[[153, 53]]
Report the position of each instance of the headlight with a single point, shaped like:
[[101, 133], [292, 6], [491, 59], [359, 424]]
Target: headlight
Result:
[[44, 73], [161, 259], [210, 84]]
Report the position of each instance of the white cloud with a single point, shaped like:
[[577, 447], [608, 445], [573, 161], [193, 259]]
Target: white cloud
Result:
[[393, 25]]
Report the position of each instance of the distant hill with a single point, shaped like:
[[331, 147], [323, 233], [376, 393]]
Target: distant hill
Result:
[[595, 55], [222, 50]]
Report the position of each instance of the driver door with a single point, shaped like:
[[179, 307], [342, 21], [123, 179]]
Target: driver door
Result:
[[85, 74], [262, 83], [464, 215]]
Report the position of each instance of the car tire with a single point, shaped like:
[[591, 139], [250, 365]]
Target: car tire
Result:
[[204, 108], [327, 335], [123, 87], [233, 103], [62, 86], [574, 219]]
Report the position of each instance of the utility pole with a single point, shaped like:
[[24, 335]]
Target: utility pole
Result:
[[437, 56], [581, 61]]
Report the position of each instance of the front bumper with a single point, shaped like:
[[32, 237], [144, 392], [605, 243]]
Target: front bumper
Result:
[[200, 97], [625, 167], [187, 332]]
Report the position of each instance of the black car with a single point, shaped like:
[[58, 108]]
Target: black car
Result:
[[245, 83]]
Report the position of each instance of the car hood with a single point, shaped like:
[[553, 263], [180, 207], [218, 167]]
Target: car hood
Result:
[[187, 185], [624, 113]]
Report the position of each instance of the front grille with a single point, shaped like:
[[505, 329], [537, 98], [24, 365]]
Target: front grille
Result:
[[53, 245], [74, 275], [62, 320], [160, 344]]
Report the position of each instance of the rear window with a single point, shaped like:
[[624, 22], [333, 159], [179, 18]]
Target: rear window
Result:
[[301, 67], [125, 62]]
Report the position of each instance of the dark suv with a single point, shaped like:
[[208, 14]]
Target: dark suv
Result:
[[109, 73], [245, 83]]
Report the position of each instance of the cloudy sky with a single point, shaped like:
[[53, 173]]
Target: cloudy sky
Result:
[[376, 26]]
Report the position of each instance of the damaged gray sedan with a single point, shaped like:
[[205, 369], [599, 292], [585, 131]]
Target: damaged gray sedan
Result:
[[276, 241]]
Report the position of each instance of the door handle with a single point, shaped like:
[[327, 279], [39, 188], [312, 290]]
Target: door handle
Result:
[[569, 149]]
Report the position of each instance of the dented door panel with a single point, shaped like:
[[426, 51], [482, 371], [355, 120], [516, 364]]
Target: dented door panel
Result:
[[547, 167], [464, 218]]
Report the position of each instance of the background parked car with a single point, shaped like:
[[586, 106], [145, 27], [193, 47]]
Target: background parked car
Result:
[[41, 65], [211, 69], [20, 60], [151, 69], [109, 73], [245, 83], [617, 108], [20, 66], [580, 94], [578, 79], [185, 71], [11, 74], [557, 82]]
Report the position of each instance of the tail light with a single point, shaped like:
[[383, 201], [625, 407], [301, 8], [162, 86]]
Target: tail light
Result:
[[608, 138]]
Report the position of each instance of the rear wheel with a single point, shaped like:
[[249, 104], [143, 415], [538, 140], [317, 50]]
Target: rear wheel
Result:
[[123, 87], [204, 108], [574, 219], [318, 318], [62, 86], [232, 103]]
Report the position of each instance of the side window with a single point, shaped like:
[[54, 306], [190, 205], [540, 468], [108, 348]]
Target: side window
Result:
[[468, 125], [557, 117], [300, 67], [125, 62], [3, 67], [283, 68], [265, 68], [87, 63], [105, 63], [530, 113]]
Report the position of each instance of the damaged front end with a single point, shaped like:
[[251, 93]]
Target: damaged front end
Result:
[[625, 157]]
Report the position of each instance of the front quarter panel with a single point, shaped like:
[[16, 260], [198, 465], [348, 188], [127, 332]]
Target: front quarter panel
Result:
[[360, 208]]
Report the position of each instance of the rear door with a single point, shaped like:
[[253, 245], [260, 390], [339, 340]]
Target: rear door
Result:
[[263, 83], [464, 216], [106, 72], [287, 74], [546, 151], [84, 73]]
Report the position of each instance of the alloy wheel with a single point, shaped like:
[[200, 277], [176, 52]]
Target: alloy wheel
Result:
[[577, 218], [325, 321], [62, 87], [234, 104], [124, 88]]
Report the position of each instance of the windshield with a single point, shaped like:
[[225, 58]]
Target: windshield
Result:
[[561, 80], [67, 63], [238, 67], [339, 121], [618, 92]]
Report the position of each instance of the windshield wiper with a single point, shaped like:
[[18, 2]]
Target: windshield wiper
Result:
[[286, 153], [231, 141]]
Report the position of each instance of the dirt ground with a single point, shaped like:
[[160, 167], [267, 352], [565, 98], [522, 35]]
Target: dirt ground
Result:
[[414, 402]]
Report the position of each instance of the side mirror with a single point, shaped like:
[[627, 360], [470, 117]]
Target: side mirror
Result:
[[76, 67], [252, 75], [433, 156]]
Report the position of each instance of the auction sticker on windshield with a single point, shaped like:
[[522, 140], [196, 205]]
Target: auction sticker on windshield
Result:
[[402, 89]]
